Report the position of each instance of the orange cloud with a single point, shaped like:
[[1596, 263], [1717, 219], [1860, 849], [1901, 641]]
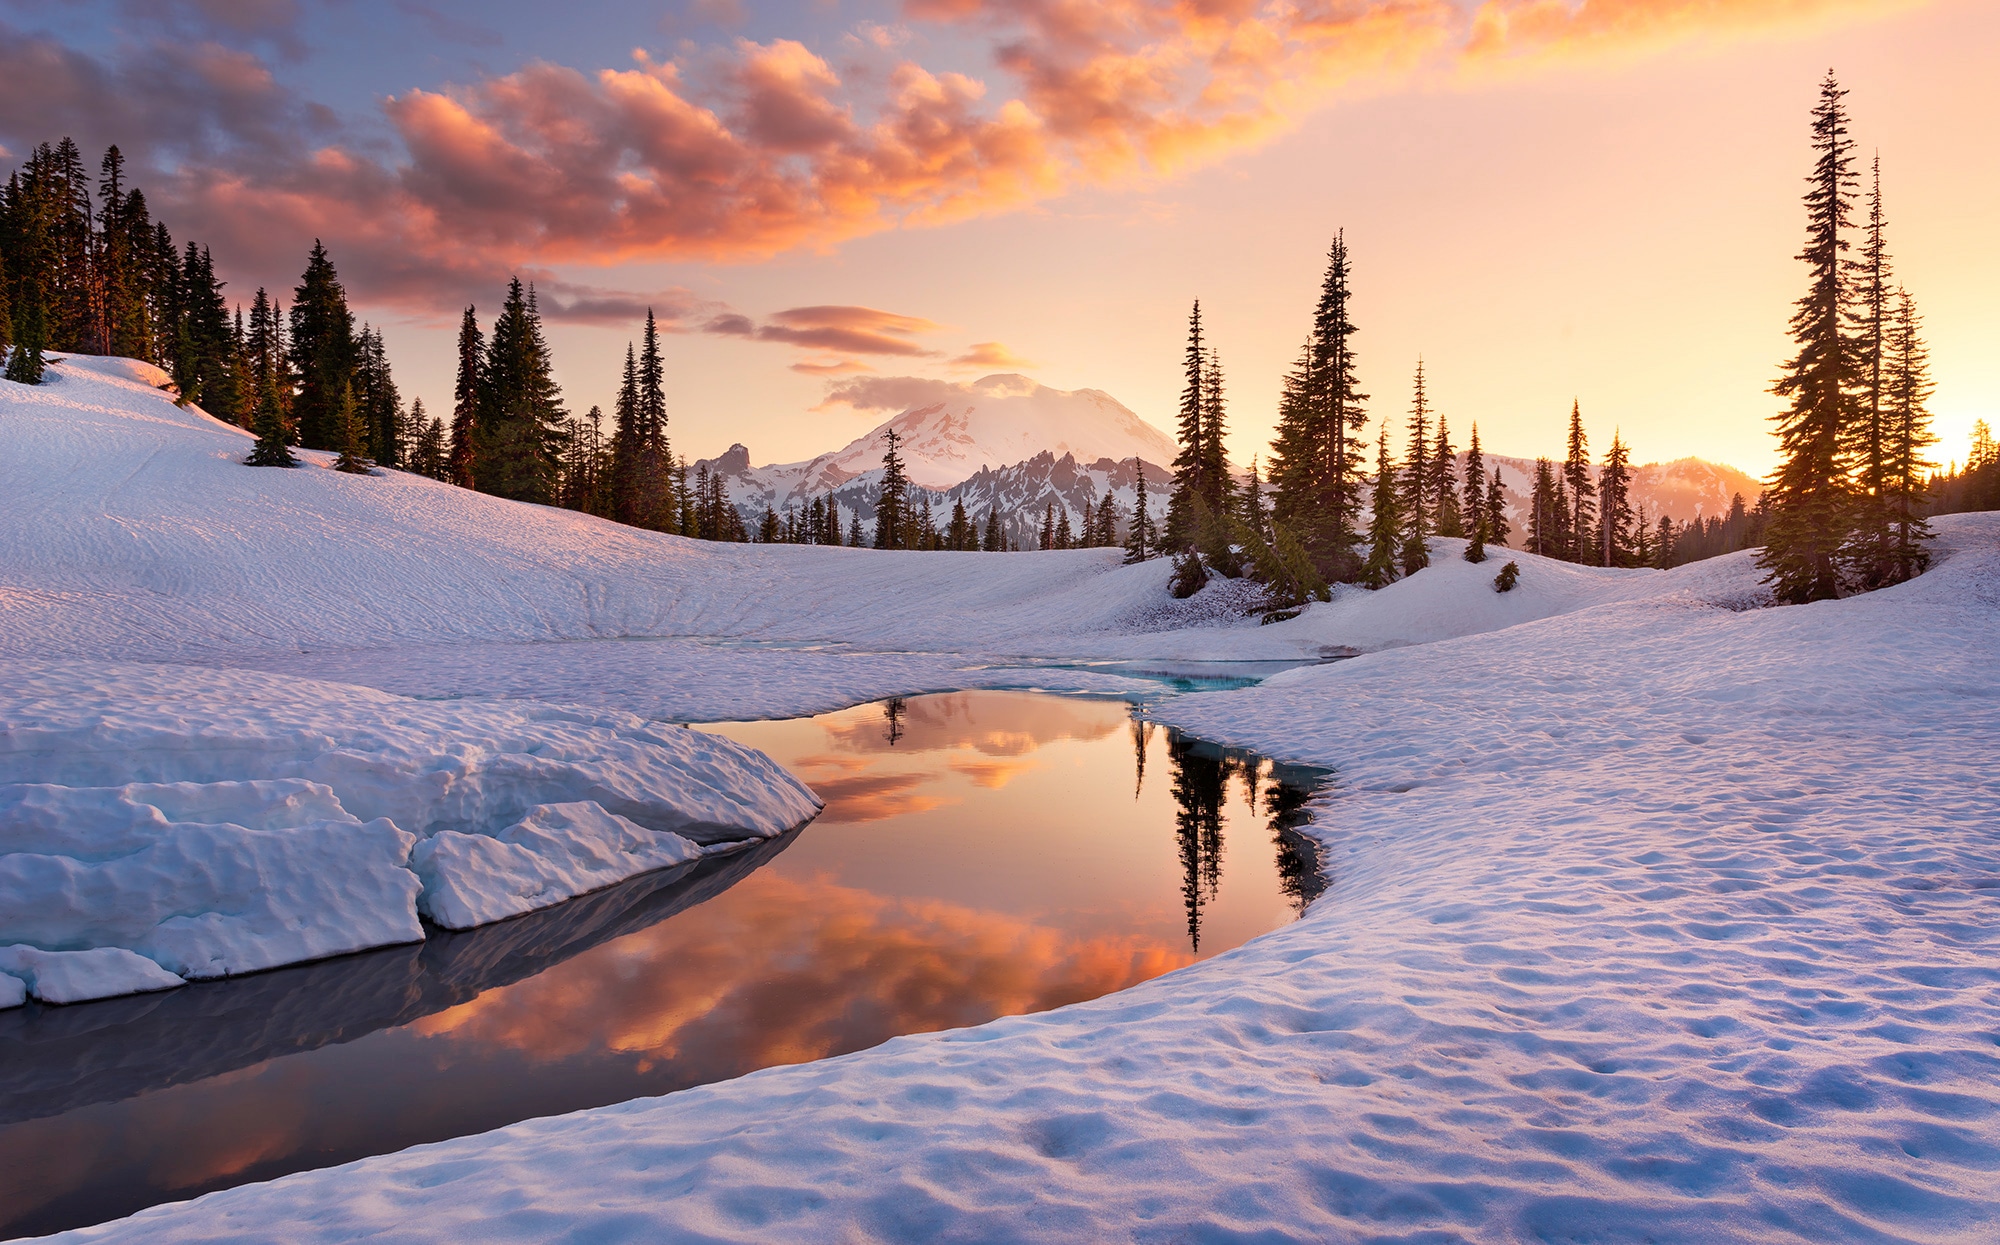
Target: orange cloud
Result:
[[991, 356], [756, 148]]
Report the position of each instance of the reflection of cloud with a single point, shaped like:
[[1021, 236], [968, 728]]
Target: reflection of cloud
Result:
[[860, 796], [781, 971], [992, 775], [1002, 724]]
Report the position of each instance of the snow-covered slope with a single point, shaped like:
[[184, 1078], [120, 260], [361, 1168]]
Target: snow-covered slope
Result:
[[130, 530], [1655, 921]]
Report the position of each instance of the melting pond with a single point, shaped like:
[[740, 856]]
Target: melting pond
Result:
[[981, 854]]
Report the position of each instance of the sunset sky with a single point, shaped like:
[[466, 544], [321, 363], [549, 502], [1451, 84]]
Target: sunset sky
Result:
[[1545, 199]]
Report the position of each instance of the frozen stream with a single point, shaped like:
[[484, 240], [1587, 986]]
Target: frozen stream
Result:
[[982, 853]]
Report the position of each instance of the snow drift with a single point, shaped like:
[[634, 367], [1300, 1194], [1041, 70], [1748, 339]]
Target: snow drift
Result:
[[219, 823]]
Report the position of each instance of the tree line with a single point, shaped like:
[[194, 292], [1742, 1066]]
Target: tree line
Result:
[[1843, 512]]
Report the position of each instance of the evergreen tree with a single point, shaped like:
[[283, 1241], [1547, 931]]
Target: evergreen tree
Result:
[[378, 405], [1473, 507], [1142, 541], [1809, 493], [628, 444], [6, 307], [1614, 485], [1907, 388], [1217, 492], [1663, 545], [461, 462], [1497, 528], [1870, 549], [1065, 535], [769, 532], [1576, 480], [1443, 468], [520, 415], [854, 530], [346, 433], [31, 334], [1254, 514], [1543, 509], [1419, 501], [273, 447], [1190, 464], [892, 507], [993, 541], [653, 487], [1385, 527], [322, 351], [1048, 540], [429, 459], [959, 536], [1317, 460]]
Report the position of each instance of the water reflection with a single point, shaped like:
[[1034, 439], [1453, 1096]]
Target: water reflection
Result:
[[981, 854]]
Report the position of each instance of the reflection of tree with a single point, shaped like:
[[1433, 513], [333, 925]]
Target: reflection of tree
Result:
[[1200, 784], [1299, 874], [1142, 739], [892, 709]]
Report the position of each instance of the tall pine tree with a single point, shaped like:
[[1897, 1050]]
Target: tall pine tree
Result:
[[892, 508], [322, 351], [461, 464], [520, 416], [1810, 499], [1191, 463], [1580, 520]]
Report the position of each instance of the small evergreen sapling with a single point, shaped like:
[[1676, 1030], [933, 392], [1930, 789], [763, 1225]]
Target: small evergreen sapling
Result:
[[1509, 575], [1190, 575]]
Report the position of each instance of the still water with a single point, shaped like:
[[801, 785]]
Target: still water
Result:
[[981, 854]]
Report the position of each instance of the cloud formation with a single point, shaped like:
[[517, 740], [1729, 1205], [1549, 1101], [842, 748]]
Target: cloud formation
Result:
[[989, 357], [744, 150]]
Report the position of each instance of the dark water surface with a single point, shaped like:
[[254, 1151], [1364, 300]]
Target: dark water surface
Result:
[[981, 854]]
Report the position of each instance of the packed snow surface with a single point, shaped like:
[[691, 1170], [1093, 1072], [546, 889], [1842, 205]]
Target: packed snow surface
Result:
[[1653, 914]]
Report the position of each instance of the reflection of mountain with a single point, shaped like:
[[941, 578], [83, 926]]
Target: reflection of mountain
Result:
[[54, 1060], [1000, 724]]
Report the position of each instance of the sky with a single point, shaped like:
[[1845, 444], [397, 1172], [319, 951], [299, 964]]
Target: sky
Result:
[[1546, 201]]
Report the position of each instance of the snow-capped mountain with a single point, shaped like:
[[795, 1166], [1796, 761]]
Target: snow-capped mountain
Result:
[[949, 433], [1019, 493]]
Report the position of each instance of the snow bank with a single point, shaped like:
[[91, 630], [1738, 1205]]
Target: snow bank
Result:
[[74, 976], [1656, 920], [557, 851], [223, 822], [246, 875]]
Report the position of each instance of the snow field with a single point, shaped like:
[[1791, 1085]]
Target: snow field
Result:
[[1656, 921], [222, 822], [130, 530], [1652, 916]]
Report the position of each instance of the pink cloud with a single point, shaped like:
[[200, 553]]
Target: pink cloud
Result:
[[749, 149]]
